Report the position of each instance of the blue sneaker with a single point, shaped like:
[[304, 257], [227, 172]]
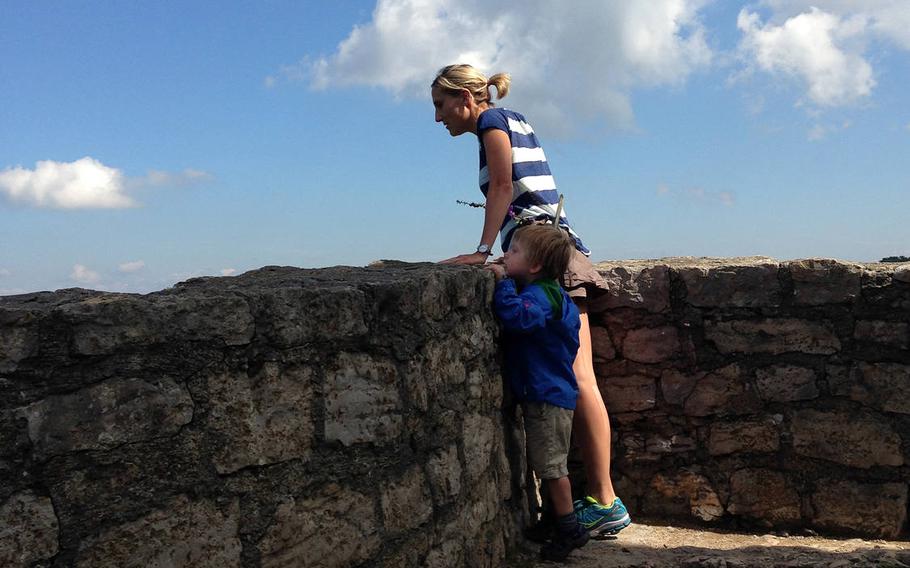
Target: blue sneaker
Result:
[[601, 520]]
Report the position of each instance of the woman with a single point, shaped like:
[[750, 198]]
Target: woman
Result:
[[516, 181]]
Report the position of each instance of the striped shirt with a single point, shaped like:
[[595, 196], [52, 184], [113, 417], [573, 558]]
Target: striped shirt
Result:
[[534, 194]]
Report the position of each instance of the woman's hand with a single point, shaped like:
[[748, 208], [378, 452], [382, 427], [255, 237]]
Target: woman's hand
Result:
[[473, 258]]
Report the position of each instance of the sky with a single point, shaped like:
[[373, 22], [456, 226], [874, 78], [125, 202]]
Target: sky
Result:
[[142, 144]]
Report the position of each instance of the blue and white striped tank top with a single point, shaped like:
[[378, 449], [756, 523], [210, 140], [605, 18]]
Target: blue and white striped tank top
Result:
[[534, 194]]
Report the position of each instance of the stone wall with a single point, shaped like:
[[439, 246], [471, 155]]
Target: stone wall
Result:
[[759, 393], [285, 417]]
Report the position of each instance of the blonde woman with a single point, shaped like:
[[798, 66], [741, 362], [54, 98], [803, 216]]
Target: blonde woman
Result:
[[516, 181]]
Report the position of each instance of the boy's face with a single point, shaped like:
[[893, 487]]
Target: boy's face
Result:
[[518, 267]]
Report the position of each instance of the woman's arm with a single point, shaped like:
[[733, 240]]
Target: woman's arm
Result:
[[499, 192]]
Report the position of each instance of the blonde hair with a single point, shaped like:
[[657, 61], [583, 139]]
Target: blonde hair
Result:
[[548, 246], [453, 78]]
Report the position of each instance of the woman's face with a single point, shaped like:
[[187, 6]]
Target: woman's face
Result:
[[451, 111]]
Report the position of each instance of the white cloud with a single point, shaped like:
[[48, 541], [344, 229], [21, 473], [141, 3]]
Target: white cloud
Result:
[[824, 45], [4, 272], [189, 176], [813, 47], [84, 275], [568, 65], [228, 271], [85, 183], [134, 266]]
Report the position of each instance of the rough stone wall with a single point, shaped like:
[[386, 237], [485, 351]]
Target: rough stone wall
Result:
[[756, 392], [285, 417]]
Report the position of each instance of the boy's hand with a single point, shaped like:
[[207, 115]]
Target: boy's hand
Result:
[[498, 270]]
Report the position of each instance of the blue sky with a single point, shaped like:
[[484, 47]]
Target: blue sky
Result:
[[143, 144]]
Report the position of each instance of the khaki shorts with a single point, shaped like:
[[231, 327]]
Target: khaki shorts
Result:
[[581, 279], [548, 430]]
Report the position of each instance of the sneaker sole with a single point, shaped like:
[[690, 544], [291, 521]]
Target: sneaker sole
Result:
[[611, 528]]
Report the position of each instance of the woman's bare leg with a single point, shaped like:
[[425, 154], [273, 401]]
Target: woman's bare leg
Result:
[[592, 424]]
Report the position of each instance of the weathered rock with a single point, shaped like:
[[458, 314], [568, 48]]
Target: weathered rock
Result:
[[677, 386], [18, 338], [692, 491], [824, 281], [885, 386], [444, 473], [191, 534], [478, 435], [749, 283], [28, 530], [902, 273], [887, 333], [651, 345], [406, 504], [786, 383], [878, 509], [106, 415], [335, 527], [747, 436], [601, 344], [261, 419], [855, 439], [361, 401], [763, 494], [776, 336], [720, 392], [634, 286], [630, 394]]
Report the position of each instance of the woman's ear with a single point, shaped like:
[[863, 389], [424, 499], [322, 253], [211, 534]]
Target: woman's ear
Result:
[[466, 97]]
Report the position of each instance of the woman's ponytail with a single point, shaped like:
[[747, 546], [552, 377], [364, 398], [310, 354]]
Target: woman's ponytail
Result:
[[501, 81]]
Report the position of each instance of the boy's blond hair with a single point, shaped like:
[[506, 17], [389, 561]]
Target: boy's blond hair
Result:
[[548, 246]]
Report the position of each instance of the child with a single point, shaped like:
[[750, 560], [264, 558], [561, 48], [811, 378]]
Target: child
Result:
[[540, 340]]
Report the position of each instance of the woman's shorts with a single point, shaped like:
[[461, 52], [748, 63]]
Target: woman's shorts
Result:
[[581, 280]]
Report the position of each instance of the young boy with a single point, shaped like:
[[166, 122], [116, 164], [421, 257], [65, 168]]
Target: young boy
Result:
[[540, 340]]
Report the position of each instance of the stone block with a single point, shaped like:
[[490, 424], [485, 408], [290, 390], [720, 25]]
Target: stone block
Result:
[[876, 509], [183, 534], [824, 281], [673, 444], [634, 286], [651, 345], [687, 492], [334, 527], [765, 495], [291, 317], [361, 401], [406, 502], [720, 392], [885, 386], [775, 336], [28, 530], [860, 440], [750, 284], [744, 437], [786, 383], [601, 344], [676, 386], [630, 394], [261, 419], [444, 473], [895, 335], [108, 414], [902, 273], [478, 436], [18, 338]]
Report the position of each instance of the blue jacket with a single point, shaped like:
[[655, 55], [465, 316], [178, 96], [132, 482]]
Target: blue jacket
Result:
[[539, 345]]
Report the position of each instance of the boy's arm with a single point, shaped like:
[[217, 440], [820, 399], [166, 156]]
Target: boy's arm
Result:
[[517, 313]]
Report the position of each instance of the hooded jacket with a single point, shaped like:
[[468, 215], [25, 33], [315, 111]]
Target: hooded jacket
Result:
[[540, 341]]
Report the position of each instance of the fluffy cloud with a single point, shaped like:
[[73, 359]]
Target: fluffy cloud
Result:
[[228, 271], [84, 275], [85, 183], [585, 59], [134, 266], [826, 48], [5, 272]]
